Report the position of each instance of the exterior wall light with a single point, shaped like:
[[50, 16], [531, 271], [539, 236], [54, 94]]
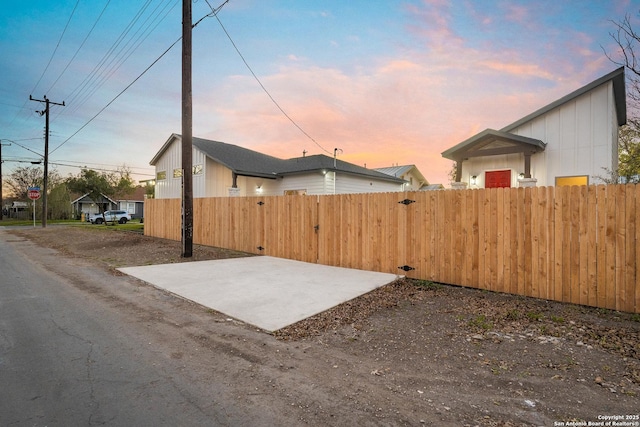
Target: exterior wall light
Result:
[[474, 180], [259, 189]]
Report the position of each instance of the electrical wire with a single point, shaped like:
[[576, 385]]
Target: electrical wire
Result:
[[265, 89], [88, 83], [80, 47], [48, 63], [124, 55], [131, 84], [117, 96], [57, 45]]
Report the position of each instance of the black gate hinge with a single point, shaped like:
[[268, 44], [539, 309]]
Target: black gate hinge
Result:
[[260, 248], [406, 268], [407, 201], [261, 203]]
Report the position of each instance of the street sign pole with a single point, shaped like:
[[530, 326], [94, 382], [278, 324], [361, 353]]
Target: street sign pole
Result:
[[34, 194]]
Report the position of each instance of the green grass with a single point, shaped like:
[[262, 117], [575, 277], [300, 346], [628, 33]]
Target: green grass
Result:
[[21, 222], [134, 225]]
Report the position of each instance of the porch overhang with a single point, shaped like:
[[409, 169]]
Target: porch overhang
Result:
[[492, 142]]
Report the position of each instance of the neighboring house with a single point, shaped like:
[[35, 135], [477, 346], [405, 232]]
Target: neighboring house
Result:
[[221, 169], [410, 173], [132, 203], [568, 142], [85, 205]]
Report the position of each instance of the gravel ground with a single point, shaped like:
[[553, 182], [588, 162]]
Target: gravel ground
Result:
[[421, 353]]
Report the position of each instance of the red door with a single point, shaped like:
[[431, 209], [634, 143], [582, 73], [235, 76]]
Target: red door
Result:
[[497, 179]]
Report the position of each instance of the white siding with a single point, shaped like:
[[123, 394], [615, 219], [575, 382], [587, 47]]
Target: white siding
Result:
[[346, 184], [216, 180], [169, 188], [579, 134], [581, 138]]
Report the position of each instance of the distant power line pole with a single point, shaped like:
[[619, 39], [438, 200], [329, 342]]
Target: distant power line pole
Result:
[[187, 136], [46, 154], [1, 200]]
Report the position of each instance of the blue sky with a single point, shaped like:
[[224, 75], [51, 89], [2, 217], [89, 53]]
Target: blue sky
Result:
[[387, 82]]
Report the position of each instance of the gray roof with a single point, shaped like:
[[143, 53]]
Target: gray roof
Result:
[[245, 162], [240, 160], [395, 170], [616, 76], [619, 94], [488, 136]]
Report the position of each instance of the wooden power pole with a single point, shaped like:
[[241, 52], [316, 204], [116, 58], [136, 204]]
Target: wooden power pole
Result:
[[187, 136], [46, 155]]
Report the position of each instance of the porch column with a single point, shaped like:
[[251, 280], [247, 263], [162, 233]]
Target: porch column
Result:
[[458, 170], [527, 165], [234, 191]]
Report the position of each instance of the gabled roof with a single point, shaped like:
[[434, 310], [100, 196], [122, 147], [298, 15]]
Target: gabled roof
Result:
[[489, 141], [137, 195], [245, 162], [321, 162], [104, 199], [492, 142], [619, 94], [399, 171], [240, 160]]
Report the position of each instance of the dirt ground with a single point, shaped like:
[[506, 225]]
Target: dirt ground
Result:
[[410, 353]]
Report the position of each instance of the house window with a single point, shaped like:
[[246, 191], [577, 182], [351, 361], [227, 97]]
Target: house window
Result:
[[197, 169], [177, 173], [161, 175], [131, 208], [497, 179], [572, 180], [295, 192]]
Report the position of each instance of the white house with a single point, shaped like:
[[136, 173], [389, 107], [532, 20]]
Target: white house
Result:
[[221, 169], [569, 142], [410, 173]]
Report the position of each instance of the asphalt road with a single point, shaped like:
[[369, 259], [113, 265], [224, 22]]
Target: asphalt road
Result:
[[66, 360]]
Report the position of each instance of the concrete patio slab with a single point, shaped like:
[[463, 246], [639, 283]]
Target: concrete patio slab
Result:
[[266, 292]]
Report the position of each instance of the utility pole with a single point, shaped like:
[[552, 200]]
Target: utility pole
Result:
[[187, 136], [1, 200], [46, 154]]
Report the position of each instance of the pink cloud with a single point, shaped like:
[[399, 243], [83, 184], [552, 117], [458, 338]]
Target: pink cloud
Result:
[[406, 108]]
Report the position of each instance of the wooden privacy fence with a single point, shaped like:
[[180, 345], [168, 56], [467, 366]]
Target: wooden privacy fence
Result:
[[572, 244]]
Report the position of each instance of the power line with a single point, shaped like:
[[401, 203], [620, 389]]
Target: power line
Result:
[[48, 63], [118, 95], [38, 161], [265, 89], [89, 82], [81, 45], [135, 80], [57, 46]]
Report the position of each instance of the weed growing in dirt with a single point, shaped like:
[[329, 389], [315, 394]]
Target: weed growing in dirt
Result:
[[427, 285], [533, 316], [481, 322], [513, 315]]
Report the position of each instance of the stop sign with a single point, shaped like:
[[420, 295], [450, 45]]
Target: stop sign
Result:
[[33, 193]]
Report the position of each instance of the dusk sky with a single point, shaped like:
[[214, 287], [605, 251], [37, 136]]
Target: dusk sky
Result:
[[386, 82]]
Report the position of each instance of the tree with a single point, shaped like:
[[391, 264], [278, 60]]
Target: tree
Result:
[[628, 41], [629, 153], [22, 178], [59, 202], [101, 184]]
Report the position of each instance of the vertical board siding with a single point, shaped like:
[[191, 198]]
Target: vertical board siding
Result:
[[570, 244]]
